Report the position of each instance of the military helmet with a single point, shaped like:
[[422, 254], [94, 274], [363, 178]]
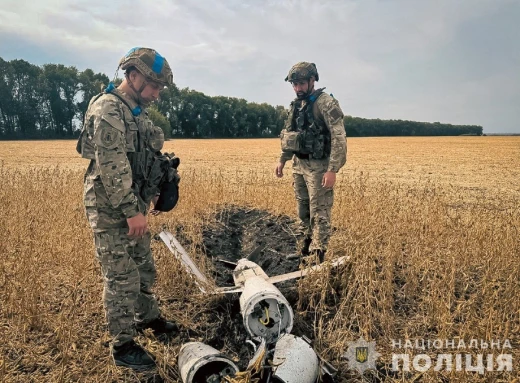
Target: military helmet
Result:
[[150, 63], [302, 71]]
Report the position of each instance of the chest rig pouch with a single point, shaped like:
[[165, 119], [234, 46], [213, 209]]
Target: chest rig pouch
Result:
[[139, 152], [143, 144], [303, 134], [152, 171]]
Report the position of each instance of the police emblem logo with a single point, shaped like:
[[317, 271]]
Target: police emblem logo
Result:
[[361, 354]]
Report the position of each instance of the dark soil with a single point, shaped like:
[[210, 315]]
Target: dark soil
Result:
[[234, 233], [237, 232]]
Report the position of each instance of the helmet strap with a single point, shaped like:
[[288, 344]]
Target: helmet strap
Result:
[[308, 88], [137, 92]]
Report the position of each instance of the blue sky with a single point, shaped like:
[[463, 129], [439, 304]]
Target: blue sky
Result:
[[448, 61]]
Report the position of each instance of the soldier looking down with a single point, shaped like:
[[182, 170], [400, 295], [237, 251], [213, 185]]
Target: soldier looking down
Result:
[[314, 137], [124, 176]]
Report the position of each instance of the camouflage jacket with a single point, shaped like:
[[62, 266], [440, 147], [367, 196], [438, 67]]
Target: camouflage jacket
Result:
[[119, 145], [328, 113]]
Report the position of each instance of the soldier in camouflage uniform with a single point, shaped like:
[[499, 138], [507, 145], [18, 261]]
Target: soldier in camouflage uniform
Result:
[[314, 137], [120, 140]]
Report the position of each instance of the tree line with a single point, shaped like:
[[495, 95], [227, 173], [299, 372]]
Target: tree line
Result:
[[193, 114], [50, 101], [44, 102], [363, 127]]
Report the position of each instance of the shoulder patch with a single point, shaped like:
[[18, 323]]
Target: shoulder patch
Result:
[[107, 137], [335, 113], [331, 108]]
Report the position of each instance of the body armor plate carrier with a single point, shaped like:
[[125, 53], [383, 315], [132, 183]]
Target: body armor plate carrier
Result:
[[151, 171], [304, 134]]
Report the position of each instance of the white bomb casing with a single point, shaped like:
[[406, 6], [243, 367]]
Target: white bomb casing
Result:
[[265, 311], [200, 363], [295, 361]]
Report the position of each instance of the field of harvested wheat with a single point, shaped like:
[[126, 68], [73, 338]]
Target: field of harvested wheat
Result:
[[431, 225]]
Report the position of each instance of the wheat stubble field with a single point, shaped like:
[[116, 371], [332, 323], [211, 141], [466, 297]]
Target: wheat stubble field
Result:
[[431, 226]]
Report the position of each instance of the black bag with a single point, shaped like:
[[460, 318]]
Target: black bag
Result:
[[169, 186], [169, 196]]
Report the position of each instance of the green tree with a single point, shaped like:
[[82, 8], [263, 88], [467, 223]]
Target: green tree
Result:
[[7, 103], [61, 86], [23, 98], [51, 102], [159, 120], [90, 84]]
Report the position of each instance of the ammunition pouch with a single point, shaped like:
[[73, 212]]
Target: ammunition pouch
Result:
[[302, 135], [308, 139], [306, 142], [155, 138], [290, 141]]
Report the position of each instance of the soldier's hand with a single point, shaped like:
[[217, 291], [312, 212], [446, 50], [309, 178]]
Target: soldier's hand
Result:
[[279, 169], [153, 211], [329, 179], [137, 226]]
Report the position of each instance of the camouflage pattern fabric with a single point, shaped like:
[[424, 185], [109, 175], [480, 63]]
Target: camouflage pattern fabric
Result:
[[328, 113], [332, 116], [302, 71], [150, 63], [314, 203], [129, 273], [110, 134], [110, 194]]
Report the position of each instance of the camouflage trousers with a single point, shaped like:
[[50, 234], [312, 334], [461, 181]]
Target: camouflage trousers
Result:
[[129, 273], [314, 202]]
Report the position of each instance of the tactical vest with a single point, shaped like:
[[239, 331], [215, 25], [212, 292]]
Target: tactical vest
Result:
[[313, 135], [140, 149]]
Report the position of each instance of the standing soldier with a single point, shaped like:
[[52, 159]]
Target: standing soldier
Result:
[[314, 136], [122, 145]]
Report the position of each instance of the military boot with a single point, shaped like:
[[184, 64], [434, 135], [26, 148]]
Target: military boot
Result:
[[133, 356], [159, 326], [302, 248], [318, 255], [315, 257]]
